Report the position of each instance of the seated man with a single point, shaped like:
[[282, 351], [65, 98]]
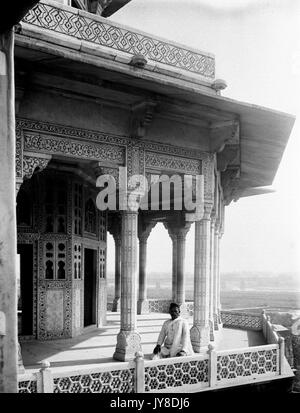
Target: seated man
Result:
[[174, 338]]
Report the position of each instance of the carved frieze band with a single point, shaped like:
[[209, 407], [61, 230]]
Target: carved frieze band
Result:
[[174, 150], [70, 132], [53, 145], [19, 151], [167, 162], [48, 138], [104, 33]]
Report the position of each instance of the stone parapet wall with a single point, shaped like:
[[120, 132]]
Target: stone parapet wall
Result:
[[200, 372], [98, 31]]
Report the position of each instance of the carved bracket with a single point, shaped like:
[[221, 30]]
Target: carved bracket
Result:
[[230, 183], [230, 155], [224, 133], [225, 141], [34, 163], [141, 117]]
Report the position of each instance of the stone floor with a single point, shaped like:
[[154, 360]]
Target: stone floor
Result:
[[96, 346]]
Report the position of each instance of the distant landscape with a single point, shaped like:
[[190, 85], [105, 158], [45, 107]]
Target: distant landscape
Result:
[[273, 291]]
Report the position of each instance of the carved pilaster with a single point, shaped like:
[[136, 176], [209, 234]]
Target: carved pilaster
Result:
[[128, 340], [200, 332]]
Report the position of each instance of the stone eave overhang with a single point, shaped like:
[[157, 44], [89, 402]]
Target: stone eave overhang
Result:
[[263, 132]]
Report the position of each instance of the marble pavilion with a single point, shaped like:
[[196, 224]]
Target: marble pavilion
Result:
[[86, 96]]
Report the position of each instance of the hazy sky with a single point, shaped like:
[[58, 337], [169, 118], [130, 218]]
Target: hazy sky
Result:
[[257, 49]]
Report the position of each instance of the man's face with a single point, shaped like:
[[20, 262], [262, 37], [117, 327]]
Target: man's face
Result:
[[174, 312]]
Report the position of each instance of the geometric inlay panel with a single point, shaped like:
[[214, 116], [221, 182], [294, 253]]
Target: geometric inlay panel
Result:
[[159, 306], [54, 310], [116, 381], [241, 320], [27, 386], [247, 363], [101, 32], [176, 375]]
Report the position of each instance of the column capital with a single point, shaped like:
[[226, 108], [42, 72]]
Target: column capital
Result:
[[144, 229], [176, 230], [114, 225], [117, 239], [182, 232]]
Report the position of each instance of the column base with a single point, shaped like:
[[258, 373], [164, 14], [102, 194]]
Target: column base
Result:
[[116, 305], [143, 307], [128, 343], [200, 337]]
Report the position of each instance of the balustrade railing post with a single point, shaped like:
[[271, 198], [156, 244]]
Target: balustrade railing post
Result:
[[263, 323], [139, 385], [212, 366], [268, 328], [275, 337], [281, 354], [44, 378]]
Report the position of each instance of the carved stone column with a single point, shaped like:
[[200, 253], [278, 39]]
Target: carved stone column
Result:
[[114, 228], [173, 237], [128, 340], [118, 250], [174, 267], [177, 232], [211, 279], [181, 236], [8, 239], [216, 278], [219, 279], [144, 231], [142, 302], [200, 332]]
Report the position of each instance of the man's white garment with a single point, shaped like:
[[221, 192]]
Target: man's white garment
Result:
[[175, 337]]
